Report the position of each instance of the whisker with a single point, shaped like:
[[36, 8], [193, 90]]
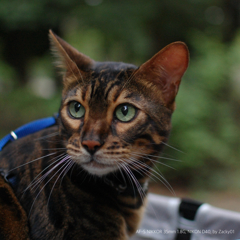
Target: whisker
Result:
[[144, 194], [50, 149], [68, 165], [47, 136], [72, 171], [139, 187], [129, 79], [140, 168], [172, 147], [157, 156], [64, 164], [157, 175], [128, 176], [128, 173], [120, 169], [48, 155], [135, 181], [35, 181], [153, 160]]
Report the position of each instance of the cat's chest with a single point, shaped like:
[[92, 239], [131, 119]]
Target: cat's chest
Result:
[[66, 210]]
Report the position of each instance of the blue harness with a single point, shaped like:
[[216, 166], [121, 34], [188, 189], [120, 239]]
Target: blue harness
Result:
[[27, 129]]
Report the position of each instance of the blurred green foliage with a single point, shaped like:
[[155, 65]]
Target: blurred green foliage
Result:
[[206, 122]]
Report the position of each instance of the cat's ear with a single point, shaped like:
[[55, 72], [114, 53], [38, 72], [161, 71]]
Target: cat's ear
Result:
[[70, 60], [165, 70]]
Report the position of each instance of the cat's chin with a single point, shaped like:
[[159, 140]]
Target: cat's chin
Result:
[[98, 169]]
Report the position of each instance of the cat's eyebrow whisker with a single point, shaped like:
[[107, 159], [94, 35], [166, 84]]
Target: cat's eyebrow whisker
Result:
[[129, 79]]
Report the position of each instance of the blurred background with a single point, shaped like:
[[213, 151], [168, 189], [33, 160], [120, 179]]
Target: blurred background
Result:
[[203, 160]]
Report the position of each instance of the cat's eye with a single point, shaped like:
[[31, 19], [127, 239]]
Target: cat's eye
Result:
[[125, 112], [76, 109]]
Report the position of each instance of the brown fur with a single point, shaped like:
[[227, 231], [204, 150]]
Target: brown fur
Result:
[[96, 188], [13, 219]]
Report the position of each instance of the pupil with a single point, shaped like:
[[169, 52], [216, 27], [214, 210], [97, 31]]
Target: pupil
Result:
[[124, 110], [77, 106]]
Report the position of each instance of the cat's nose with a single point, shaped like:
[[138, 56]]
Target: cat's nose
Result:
[[91, 145]]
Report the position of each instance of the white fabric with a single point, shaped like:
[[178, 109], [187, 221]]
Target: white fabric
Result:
[[161, 221]]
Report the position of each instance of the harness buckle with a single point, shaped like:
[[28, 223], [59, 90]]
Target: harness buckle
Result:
[[14, 135]]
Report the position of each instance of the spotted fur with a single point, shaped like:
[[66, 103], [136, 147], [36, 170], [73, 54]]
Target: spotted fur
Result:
[[86, 178]]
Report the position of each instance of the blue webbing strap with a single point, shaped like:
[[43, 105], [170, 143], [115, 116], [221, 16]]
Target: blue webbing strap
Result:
[[27, 129]]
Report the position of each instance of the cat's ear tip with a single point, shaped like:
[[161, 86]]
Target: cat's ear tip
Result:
[[179, 43], [51, 34], [179, 46], [182, 48], [179, 52]]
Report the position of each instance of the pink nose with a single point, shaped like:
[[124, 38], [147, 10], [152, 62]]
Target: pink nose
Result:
[[91, 145]]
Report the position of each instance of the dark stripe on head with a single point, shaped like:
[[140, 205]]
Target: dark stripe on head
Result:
[[84, 92], [117, 82], [92, 88]]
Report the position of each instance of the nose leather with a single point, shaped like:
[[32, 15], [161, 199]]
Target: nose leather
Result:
[[91, 145]]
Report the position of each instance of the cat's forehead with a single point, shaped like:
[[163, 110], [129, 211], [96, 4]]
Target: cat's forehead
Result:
[[110, 72], [104, 84], [114, 67]]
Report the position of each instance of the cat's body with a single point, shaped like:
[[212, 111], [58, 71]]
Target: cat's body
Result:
[[78, 206], [86, 176]]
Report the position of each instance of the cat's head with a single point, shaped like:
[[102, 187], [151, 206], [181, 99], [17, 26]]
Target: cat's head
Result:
[[115, 115]]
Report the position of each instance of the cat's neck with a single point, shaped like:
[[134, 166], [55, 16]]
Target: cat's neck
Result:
[[117, 183]]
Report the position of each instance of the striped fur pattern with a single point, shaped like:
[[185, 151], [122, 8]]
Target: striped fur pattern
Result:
[[86, 177]]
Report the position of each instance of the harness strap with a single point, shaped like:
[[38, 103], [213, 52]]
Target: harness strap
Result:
[[27, 129], [187, 211]]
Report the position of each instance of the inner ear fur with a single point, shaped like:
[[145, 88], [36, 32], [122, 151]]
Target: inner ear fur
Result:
[[71, 61], [165, 70]]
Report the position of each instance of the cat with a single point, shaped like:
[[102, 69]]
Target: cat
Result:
[[86, 176]]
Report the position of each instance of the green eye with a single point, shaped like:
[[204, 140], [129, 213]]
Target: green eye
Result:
[[125, 112], [76, 110]]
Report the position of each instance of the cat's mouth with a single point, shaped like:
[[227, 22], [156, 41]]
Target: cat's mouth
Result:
[[94, 163], [96, 168]]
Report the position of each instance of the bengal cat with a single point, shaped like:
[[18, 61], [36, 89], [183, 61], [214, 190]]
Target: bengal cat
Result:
[[86, 176]]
